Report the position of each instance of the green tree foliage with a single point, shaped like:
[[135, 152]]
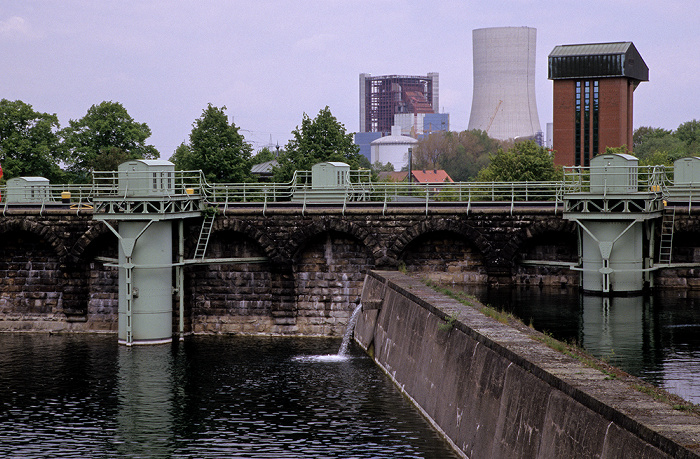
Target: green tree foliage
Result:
[[379, 167], [263, 155], [643, 134], [689, 134], [217, 148], [659, 146], [461, 154], [523, 162], [322, 139], [29, 142], [103, 138]]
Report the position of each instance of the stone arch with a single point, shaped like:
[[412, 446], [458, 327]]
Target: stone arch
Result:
[[95, 231], [687, 224], [448, 225], [268, 246], [550, 239], [539, 228], [444, 250], [43, 231], [38, 269], [324, 225], [686, 244], [329, 259]]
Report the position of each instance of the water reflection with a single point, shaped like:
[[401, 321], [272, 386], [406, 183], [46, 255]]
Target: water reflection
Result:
[[209, 397], [615, 329], [145, 385], [655, 337]]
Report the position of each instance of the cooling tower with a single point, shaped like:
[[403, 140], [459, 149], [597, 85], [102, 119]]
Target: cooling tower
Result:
[[504, 103]]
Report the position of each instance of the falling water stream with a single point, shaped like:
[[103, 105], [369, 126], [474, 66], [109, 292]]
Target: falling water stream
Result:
[[342, 353]]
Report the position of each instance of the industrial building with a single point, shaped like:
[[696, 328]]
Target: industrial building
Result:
[[593, 91], [383, 97], [420, 124], [503, 102]]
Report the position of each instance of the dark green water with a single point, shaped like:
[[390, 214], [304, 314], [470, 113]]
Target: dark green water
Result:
[[85, 396], [655, 337]]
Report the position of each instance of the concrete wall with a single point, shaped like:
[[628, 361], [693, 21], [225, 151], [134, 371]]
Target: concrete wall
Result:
[[495, 392]]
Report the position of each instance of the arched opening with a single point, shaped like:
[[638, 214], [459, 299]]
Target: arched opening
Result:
[[328, 272], [444, 257], [544, 258]]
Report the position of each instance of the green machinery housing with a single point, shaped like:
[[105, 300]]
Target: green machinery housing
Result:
[[139, 203], [618, 206]]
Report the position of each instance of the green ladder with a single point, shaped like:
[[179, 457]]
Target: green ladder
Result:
[[666, 246], [204, 234]]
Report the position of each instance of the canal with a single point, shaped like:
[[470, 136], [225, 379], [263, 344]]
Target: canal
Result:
[[85, 396], [655, 337], [232, 396]]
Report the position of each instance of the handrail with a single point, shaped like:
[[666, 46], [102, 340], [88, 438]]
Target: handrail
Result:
[[357, 186]]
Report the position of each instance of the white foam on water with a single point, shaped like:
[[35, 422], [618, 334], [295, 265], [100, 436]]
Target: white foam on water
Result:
[[342, 354]]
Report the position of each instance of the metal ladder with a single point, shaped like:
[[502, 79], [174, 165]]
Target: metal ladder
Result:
[[204, 234], [666, 246]]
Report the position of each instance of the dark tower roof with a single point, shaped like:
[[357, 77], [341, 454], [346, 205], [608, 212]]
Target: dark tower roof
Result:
[[597, 60]]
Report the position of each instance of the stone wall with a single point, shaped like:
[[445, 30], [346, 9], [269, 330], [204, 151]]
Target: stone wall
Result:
[[494, 391], [54, 276]]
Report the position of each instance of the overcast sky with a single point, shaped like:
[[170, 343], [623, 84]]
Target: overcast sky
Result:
[[269, 62]]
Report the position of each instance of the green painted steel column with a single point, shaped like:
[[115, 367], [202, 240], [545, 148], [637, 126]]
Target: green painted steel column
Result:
[[145, 297], [612, 256]]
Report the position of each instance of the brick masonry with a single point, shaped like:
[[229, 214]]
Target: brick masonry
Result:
[[51, 278]]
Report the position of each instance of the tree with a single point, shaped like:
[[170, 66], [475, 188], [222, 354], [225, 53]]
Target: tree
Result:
[[322, 139], [105, 135], [29, 142], [471, 154], [689, 134], [461, 154], [263, 155], [217, 148], [378, 167], [523, 162], [644, 133]]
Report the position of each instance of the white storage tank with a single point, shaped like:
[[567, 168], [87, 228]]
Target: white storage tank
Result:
[[147, 177], [392, 148]]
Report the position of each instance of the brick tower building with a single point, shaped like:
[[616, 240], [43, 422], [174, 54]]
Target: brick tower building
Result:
[[593, 87]]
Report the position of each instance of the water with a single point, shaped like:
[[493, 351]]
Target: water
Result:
[[656, 337], [342, 354], [85, 396], [343, 351]]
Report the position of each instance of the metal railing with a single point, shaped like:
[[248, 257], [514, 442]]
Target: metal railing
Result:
[[358, 188], [615, 179]]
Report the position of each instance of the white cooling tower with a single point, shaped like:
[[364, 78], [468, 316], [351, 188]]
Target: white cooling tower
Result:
[[504, 103]]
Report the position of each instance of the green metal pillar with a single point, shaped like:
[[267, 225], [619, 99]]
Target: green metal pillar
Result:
[[145, 282]]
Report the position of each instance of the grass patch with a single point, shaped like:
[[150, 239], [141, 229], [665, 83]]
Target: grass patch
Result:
[[449, 323], [661, 395], [570, 349], [502, 316]]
